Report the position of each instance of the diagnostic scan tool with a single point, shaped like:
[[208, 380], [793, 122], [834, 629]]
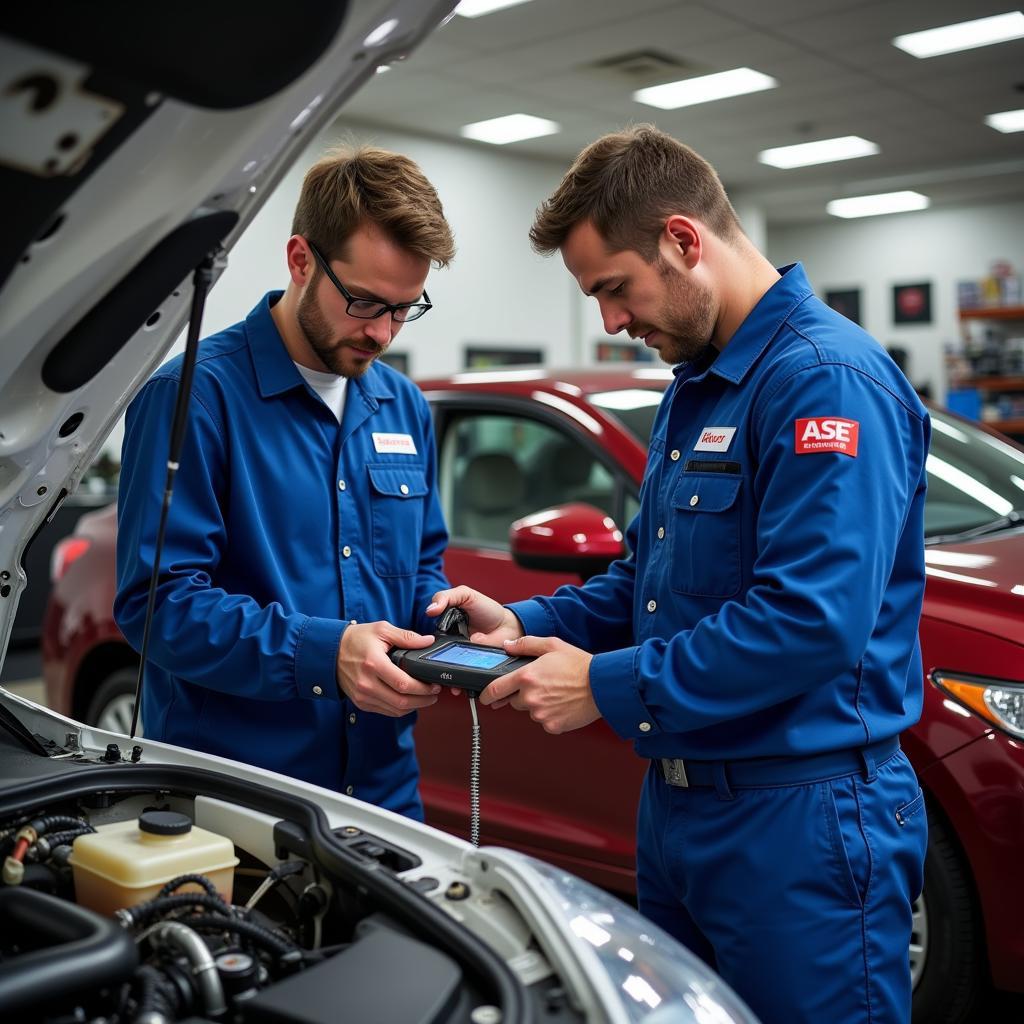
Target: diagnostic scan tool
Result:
[[452, 661]]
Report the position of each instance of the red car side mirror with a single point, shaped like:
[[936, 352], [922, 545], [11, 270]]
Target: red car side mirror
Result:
[[575, 538]]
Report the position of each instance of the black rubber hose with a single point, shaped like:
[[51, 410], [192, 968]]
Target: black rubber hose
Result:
[[143, 913], [81, 951], [52, 821], [272, 943], [56, 839], [200, 880], [156, 996]]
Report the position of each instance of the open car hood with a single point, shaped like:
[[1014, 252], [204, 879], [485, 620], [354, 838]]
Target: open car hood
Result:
[[128, 152]]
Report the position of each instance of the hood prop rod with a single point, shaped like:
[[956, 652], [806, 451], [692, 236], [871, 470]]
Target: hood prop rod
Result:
[[201, 281]]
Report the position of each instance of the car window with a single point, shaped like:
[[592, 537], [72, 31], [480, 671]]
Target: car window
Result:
[[633, 407], [973, 478], [497, 468]]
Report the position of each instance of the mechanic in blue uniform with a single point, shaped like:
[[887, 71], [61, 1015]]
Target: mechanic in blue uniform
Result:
[[305, 535], [759, 645]]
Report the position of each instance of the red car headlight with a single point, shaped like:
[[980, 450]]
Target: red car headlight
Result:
[[1000, 702]]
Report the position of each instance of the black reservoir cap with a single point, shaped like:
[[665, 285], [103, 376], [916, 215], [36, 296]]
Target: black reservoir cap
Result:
[[164, 823]]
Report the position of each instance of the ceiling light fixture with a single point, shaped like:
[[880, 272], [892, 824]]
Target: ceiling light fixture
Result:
[[704, 89], [1006, 121], [511, 128], [825, 151], [874, 206], [965, 35], [478, 8]]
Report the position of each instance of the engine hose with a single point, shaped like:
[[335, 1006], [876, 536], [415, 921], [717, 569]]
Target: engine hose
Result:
[[200, 880], [158, 1000], [45, 845], [142, 913], [180, 937], [272, 943], [52, 821]]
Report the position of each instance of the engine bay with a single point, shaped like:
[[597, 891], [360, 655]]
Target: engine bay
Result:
[[156, 905]]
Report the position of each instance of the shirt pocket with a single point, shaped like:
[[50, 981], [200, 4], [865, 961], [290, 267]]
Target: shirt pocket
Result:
[[397, 498], [705, 548]]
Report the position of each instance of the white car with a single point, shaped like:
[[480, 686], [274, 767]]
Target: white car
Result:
[[129, 153]]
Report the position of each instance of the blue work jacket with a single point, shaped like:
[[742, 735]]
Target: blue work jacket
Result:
[[284, 527], [770, 605]]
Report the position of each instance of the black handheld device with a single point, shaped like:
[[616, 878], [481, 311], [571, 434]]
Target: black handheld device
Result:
[[453, 661]]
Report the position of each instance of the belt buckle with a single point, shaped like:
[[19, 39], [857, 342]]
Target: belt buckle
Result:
[[675, 771]]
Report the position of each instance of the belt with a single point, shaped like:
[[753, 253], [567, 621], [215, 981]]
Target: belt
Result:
[[776, 771]]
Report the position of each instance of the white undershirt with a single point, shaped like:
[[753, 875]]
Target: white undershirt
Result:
[[329, 386]]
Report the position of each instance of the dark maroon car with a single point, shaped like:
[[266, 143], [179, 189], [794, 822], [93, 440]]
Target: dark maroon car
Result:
[[562, 456]]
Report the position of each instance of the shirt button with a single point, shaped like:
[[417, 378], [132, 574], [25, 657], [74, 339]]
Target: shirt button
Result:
[[404, 488], [317, 690], [352, 719], [674, 455], [349, 790], [352, 622], [661, 533], [645, 726], [341, 485], [346, 551], [694, 500], [651, 605]]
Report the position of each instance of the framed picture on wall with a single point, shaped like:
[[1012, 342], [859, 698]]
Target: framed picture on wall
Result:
[[912, 303], [399, 360], [622, 352], [845, 301], [478, 357]]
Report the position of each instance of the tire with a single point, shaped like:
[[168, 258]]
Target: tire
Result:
[[112, 704], [948, 934]]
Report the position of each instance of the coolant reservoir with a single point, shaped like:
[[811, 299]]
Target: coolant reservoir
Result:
[[128, 862]]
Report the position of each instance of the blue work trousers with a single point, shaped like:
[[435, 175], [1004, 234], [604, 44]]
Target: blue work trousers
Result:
[[798, 895]]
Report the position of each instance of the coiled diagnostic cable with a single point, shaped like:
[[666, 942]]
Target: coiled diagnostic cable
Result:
[[454, 622]]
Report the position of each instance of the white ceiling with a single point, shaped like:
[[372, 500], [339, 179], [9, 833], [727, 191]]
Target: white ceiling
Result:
[[837, 69]]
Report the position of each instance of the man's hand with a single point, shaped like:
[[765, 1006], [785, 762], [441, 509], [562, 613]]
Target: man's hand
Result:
[[489, 622], [555, 689], [367, 676]]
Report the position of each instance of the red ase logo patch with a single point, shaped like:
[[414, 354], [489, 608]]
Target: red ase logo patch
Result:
[[827, 434]]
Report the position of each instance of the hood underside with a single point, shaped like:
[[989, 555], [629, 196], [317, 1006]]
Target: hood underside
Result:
[[129, 153]]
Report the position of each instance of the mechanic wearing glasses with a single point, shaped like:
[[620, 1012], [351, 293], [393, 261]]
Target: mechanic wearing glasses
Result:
[[759, 645], [305, 536]]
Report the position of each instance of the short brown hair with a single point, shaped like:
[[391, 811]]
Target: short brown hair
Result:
[[626, 184], [353, 185]]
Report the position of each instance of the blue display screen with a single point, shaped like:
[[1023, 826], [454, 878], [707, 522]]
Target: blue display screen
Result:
[[473, 657]]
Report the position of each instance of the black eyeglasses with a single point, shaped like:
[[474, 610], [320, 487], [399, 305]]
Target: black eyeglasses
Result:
[[370, 309]]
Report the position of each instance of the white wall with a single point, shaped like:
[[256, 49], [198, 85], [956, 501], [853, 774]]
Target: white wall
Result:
[[873, 254]]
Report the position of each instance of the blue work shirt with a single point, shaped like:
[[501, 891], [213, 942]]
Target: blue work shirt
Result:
[[284, 527], [770, 605]]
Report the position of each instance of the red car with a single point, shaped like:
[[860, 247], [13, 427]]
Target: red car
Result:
[[512, 443]]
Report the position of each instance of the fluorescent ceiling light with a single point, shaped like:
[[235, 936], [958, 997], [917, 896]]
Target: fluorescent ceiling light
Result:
[[478, 8], [873, 206], [511, 128], [719, 86], [822, 152], [966, 35], [1007, 121]]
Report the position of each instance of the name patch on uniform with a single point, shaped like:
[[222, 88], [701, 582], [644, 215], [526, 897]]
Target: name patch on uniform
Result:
[[396, 444], [715, 439], [827, 434]]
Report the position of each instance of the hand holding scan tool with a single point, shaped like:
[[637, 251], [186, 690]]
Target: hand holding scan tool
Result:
[[452, 660]]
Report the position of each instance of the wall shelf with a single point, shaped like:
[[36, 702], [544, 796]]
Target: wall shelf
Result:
[[993, 313]]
